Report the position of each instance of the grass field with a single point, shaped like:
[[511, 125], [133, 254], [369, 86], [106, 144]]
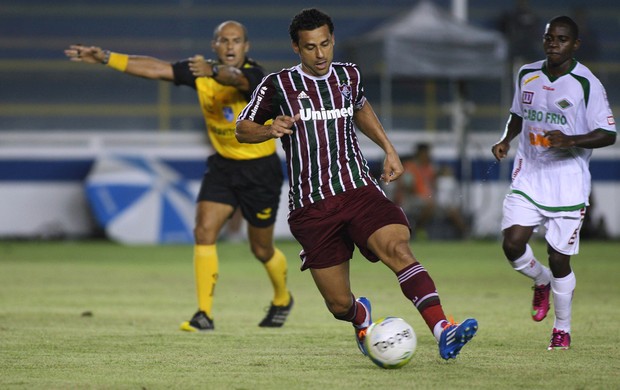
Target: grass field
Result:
[[95, 315]]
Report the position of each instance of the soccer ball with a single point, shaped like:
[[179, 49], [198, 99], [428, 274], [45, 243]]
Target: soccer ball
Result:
[[390, 342]]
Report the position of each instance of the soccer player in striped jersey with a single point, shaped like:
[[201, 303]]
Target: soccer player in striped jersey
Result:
[[335, 204], [560, 113], [238, 175]]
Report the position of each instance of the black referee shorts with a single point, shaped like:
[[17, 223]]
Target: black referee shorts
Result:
[[253, 185]]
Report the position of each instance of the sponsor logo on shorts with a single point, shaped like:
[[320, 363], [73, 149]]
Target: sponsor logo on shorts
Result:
[[611, 120], [264, 214], [573, 238]]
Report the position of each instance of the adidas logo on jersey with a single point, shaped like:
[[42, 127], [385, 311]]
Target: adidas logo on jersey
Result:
[[303, 95]]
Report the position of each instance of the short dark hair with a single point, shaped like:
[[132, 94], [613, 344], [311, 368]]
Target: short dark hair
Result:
[[568, 22], [309, 19]]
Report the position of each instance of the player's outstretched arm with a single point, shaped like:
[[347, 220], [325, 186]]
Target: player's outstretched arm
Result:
[[141, 66]]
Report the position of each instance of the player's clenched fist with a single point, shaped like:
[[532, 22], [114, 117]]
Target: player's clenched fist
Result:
[[500, 150], [197, 66], [558, 139], [282, 125]]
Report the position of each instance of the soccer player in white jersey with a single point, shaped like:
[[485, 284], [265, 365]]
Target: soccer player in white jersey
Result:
[[335, 204], [560, 113]]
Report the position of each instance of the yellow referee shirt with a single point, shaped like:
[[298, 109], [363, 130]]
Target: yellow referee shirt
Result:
[[220, 105]]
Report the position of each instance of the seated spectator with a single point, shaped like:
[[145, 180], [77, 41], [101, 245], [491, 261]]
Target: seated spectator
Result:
[[430, 196], [415, 188]]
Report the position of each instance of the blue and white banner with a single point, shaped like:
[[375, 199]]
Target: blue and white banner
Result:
[[141, 187]]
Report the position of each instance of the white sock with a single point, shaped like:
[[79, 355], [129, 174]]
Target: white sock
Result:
[[563, 289], [530, 267], [438, 328]]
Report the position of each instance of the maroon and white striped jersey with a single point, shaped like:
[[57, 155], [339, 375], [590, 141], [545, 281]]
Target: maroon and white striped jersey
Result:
[[323, 154]]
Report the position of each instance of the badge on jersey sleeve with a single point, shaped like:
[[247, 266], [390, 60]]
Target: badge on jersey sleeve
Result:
[[527, 97], [228, 113]]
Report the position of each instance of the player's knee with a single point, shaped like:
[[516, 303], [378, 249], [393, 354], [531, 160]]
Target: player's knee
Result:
[[338, 307], [513, 249], [559, 263], [263, 253], [202, 236], [199, 235], [398, 255]]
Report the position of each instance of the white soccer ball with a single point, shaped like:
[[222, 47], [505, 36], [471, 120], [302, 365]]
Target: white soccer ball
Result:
[[390, 342]]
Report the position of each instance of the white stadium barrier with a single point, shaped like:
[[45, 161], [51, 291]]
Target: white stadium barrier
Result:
[[43, 176]]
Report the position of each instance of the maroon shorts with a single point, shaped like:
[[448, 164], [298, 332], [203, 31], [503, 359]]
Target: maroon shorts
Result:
[[329, 230]]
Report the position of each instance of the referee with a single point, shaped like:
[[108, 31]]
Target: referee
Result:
[[245, 176]]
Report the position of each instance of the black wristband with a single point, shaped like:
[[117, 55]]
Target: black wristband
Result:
[[215, 70]]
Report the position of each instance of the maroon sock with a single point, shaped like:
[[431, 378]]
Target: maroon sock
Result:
[[355, 315], [360, 314], [419, 288], [432, 315]]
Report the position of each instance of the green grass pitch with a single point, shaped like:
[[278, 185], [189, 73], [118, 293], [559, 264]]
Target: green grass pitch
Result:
[[95, 315]]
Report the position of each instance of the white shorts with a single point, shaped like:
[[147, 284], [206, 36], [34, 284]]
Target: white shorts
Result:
[[562, 227]]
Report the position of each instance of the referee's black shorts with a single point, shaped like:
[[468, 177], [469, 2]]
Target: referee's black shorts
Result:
[[253, 185]]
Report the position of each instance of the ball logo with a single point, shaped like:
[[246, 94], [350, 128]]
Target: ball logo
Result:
[[392, 341]]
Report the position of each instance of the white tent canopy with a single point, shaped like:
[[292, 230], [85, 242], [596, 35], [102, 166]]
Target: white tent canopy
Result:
[[429, 42]]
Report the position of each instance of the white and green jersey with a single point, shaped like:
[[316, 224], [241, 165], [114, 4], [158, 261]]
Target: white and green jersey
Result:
[[323, 155], [575, 103]]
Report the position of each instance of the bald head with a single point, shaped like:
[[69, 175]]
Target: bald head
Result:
[[230, 24]]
